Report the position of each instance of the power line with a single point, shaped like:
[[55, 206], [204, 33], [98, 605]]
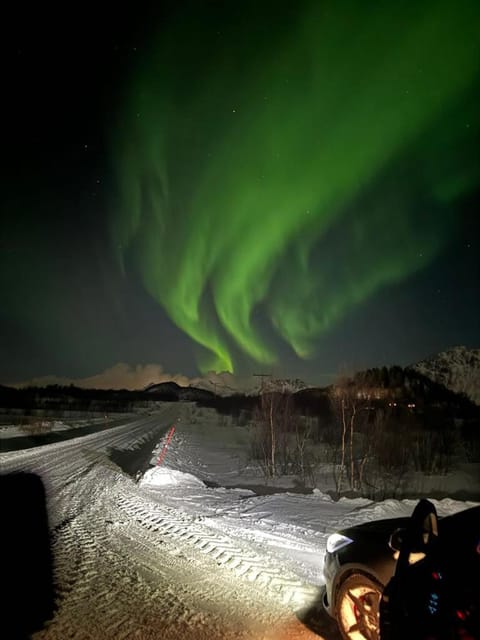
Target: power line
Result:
[[262, 376]]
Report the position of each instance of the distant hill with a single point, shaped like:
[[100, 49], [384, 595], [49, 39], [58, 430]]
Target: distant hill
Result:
[[395, 386], [56, 397], [172, 390], [7, 393], [458, 369]]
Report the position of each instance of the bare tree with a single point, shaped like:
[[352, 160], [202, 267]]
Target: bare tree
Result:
[[274, 421], [304, 458], [350, 412], [265, 432]]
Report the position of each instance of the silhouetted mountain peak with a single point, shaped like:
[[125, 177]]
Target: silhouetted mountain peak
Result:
[[458, 369]]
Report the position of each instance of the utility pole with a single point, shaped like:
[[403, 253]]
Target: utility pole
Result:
[[262, 377]]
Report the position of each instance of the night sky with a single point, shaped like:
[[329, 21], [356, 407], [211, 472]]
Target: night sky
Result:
[[286, 188]]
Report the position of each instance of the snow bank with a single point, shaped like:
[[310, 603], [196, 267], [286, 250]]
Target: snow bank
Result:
[[163, 477]]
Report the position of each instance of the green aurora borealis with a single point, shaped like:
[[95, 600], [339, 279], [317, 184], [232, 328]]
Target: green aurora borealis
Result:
[[277, 169]]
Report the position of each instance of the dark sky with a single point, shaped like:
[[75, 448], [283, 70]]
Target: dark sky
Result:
[[221, 185]]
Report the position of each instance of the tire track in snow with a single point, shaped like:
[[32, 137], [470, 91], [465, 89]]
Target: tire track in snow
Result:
[[100, 592], [107, 562], [225, 551], [112, 580]]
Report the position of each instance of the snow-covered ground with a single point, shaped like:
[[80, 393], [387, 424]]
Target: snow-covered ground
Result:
[[18, 426], [198, 547]]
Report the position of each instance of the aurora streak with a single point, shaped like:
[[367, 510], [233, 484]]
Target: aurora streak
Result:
[[277, 173]]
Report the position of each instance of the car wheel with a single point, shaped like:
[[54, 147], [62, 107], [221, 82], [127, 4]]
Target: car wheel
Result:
[[357, 608]]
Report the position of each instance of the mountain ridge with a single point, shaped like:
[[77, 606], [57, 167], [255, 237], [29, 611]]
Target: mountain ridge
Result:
[[458, 369]]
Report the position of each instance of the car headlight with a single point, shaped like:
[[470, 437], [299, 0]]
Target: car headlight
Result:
[[337, 541]]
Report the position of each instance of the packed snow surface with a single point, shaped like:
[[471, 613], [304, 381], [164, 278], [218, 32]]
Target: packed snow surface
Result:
[[198, 547]]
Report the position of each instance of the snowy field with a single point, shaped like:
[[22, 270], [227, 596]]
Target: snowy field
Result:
[[198, 547]]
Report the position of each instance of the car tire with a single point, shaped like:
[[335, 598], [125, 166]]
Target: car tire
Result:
[[357, 607]]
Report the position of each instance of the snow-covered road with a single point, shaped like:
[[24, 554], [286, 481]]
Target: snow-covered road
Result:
[[128, 566], [174, 556]]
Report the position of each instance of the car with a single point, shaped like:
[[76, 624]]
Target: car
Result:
[[360, 561]]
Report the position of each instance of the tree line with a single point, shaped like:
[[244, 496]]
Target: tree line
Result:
[[371, 429]]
